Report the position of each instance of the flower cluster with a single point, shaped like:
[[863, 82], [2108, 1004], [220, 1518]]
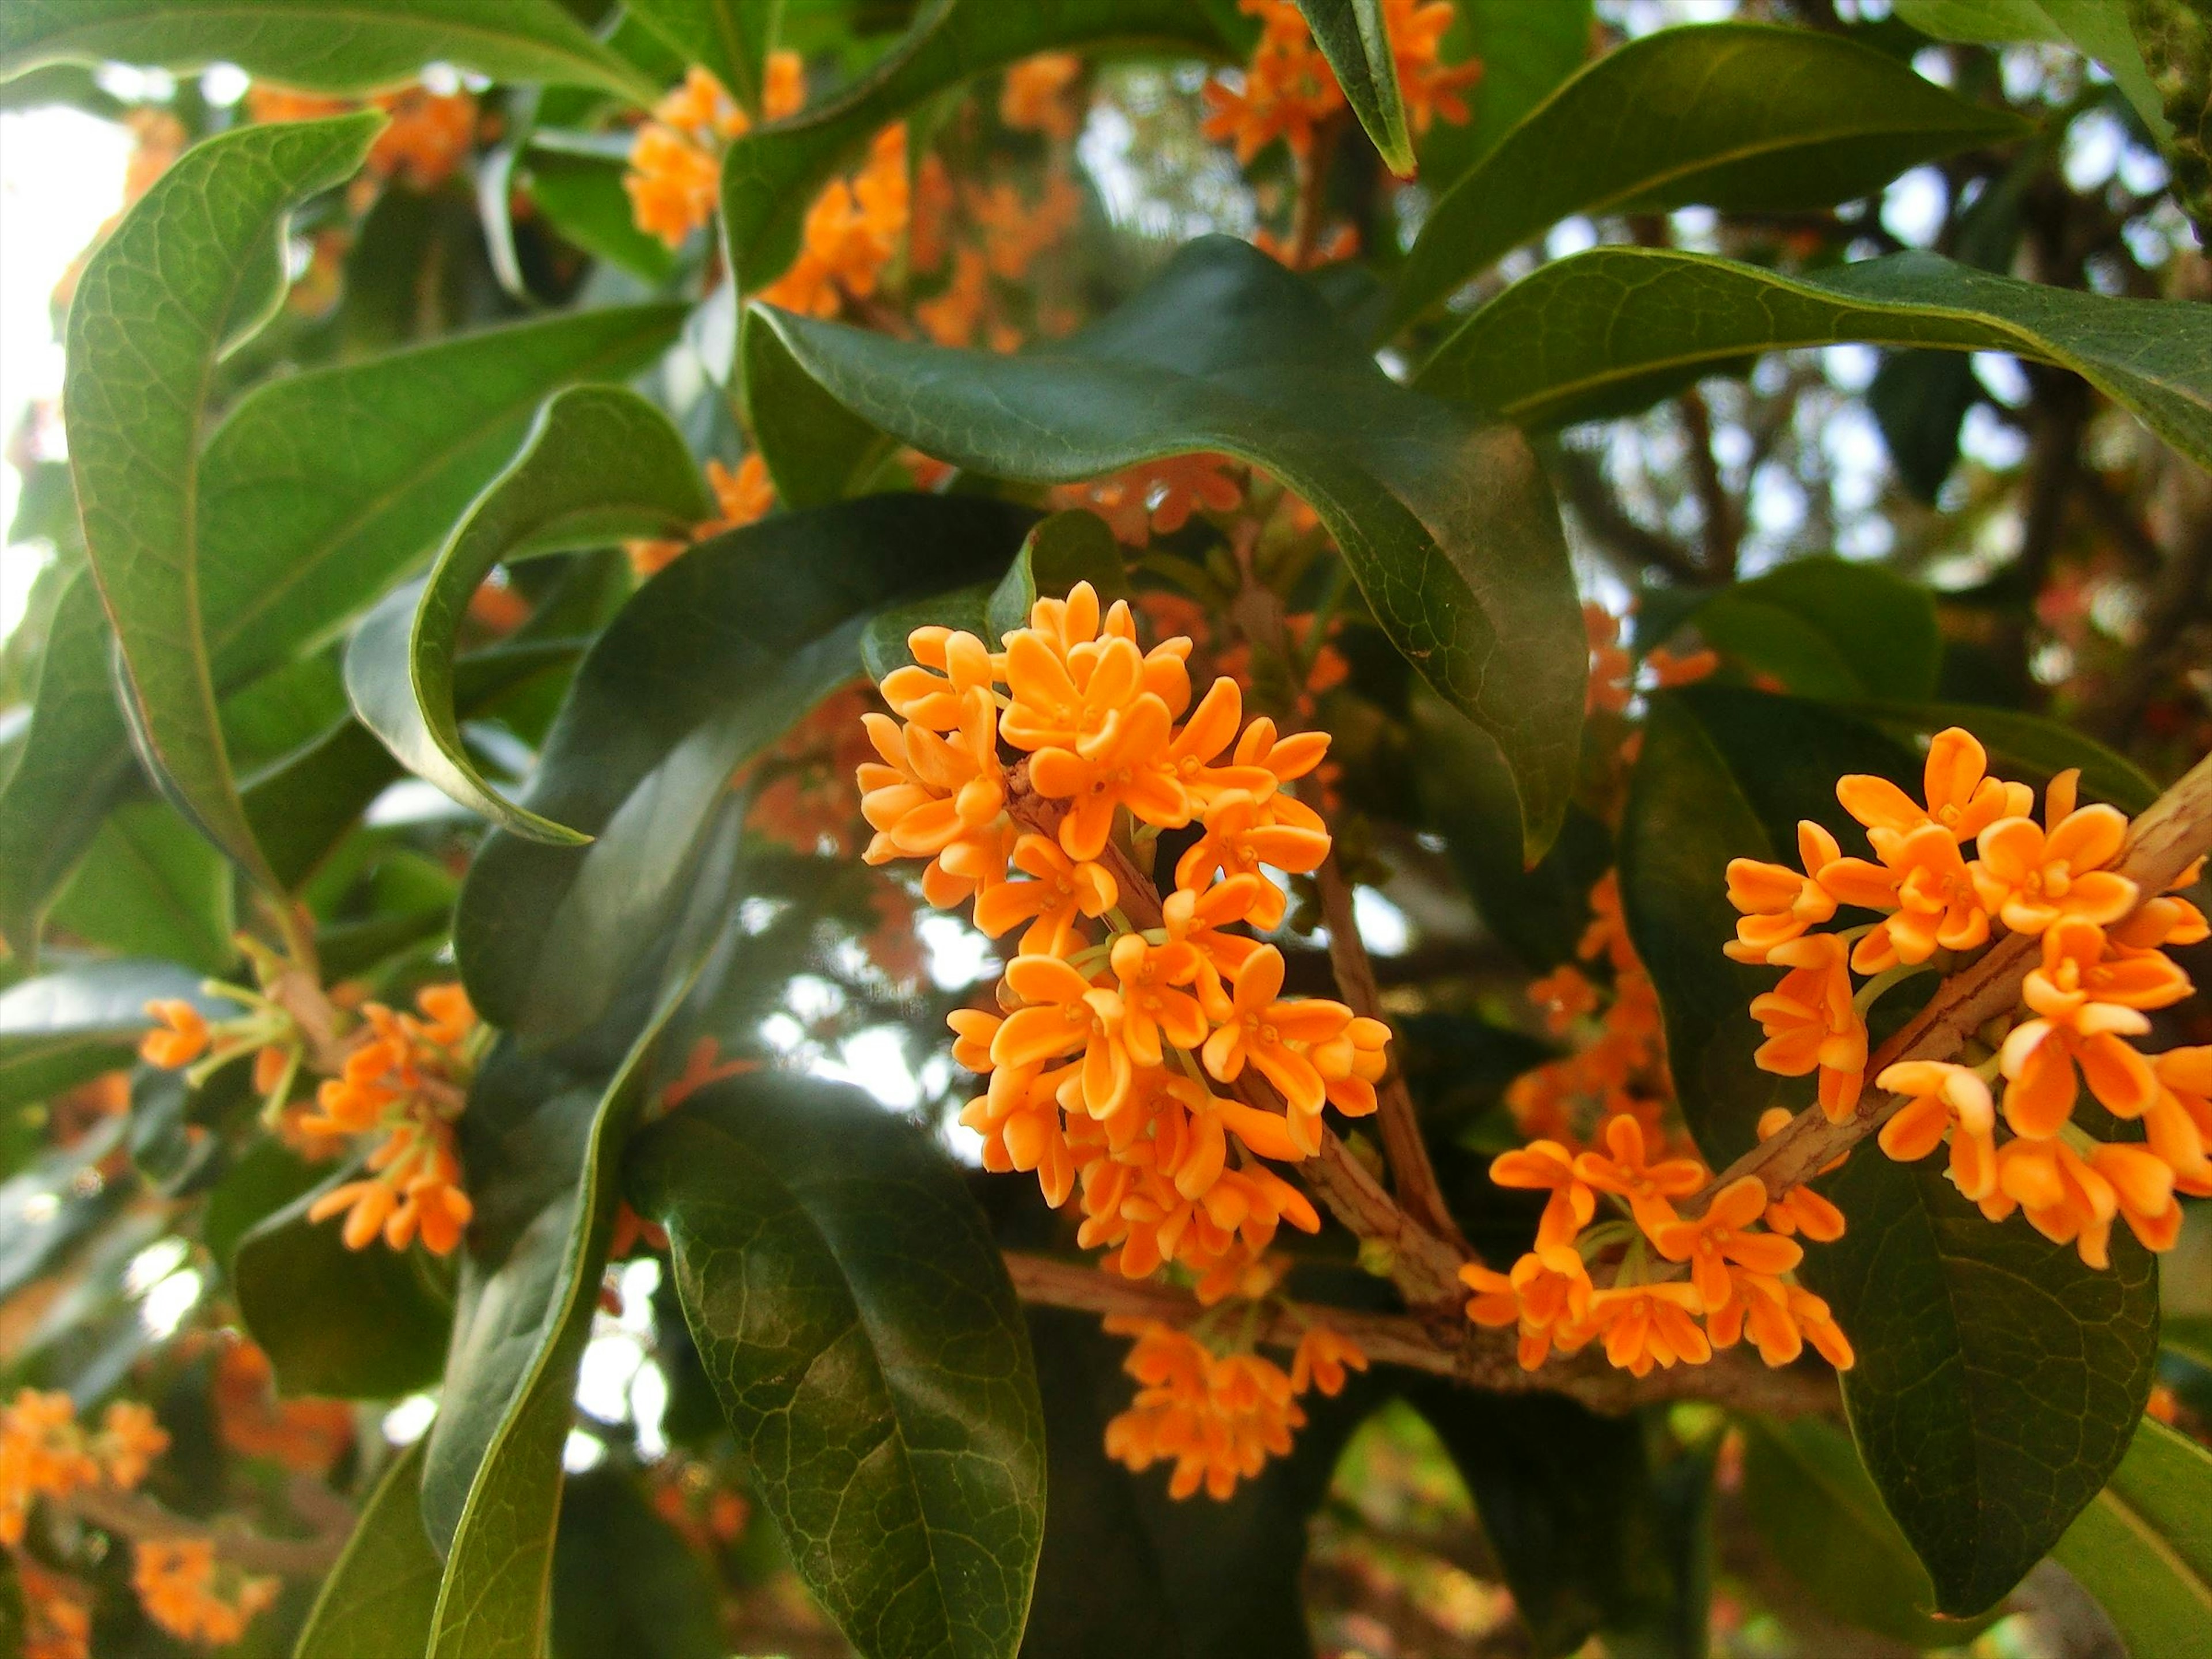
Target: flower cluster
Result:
[[57, 1619], [1156, 497], [1033, 99], [1123, 1061], [194, 1596], [851, 234], [2103, 969], [676, 159], [306, 1434], [45, 1453], [1218, 1415]]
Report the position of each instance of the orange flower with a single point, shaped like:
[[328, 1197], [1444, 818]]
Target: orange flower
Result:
[[1720, 1236], [1566, 995], [1031, 101], [185, 1593], [1158, 496], [1322, 1358], [671, 182], [2143, 1186], [1015, 232], [1800, 1210], [1154, 1010], [1810, 1023], [1779, 1319], [1274, 1035], [2031, 880], [1943, 1098], [1243, 834], [1938, 903], [2064, 1198], [850, 234], [1547, 1296], [306, 1435], [1546, 1166], [1063, 889], [1961, 798], [1648, 1324], [1219, 1418], [43, 1454], [179, 1035], [1352, 1064], [2079, 1027], [1612, 671], [1429, 87], [952, 318], [426, 138], [2178, 1125], [57, 1624], [1779, 903], [1287, 91], [938, 798], [1125, 766], [129, 1441], [1062, 1014], [1622, 1170]]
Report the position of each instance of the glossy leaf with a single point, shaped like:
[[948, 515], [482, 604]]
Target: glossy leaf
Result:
[[377, 1601], [193, 269], [1354, 37], [1448, 525], [731, 38], [1526, 52], [849, 1304], [1737, 116], [1568, 1502], [2143, 1550], [600, 464], [100, 999], [367, 1324], [1829, 628], [626, 1585], [582, 197], [149, 886], [1614, 329], [708, 663], [1815, 1509], [816, 450], [348, 47], [771, 176]]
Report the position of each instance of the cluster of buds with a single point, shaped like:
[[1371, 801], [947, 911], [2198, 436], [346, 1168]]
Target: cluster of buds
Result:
[[1123, 1060], [45, 1452], [1217, 1416], [193, 1595], [401, 1082], [675, 172], [2103, 968]]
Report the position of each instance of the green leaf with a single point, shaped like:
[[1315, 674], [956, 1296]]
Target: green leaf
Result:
[[816, 450], [193, 270], [263, 1178], [1448, 525], [1568, 1502], [625, 1584], [2143, 1549], [1062, 550], [149, 886], [2095, 28], [377, 1601], [582, 197], [1354, 37], [71, 765], [1526, 52], [2190, 1336], [771, 175], [321, 46], [1829, 628], [1813, 1507], [709, 663], [731, 38], [600, 464], [2026, 748], [1742, 117], [38, 1069], [863, 1341], [884, 640], [1998, 1378], [366, 1324], [1612, 330], [100, 999]]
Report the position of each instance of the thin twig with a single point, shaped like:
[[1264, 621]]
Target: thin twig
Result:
[[1632, 544], [1478, 1358], [1722, 530], [2173, 834], [141, 1519]]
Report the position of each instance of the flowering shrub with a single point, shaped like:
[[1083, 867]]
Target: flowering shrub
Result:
[[1045, 829]]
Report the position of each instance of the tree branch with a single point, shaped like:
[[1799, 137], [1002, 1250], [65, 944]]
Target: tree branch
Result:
[[1477, 1357], [141, 1520], [1608, 523], [2164, 842]]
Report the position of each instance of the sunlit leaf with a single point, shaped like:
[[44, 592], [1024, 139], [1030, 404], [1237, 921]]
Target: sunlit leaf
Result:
[[377, 1601]]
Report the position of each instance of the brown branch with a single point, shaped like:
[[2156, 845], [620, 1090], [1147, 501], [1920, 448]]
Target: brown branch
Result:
[[2164, 842], [1722, 531], [1459, 1350], [2177, 598], [1630, 542], [139, 1518]]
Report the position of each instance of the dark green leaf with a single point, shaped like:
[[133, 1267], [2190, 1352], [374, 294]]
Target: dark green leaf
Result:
[[1920, 399], [582, 197], [1810, 1499], [817, 451], [884, 640], [2096, 28], [600, 464], [856, 1319], [377, 1601], [1738, 115], [1526, 52], [1061, 551], [771, 175], [71, 765], [2190, 1336], [193, 269], [1354, 37], [265, 1176], [2143, 1550], [39, 1068], [2025, 747], [100, 999], [1998, 1378], [1448, 525], [1614, 329], [323, 46], [709, 663], [731, 38], [149, 886], [625, 1584], [364, 1324], [1567, 1502], [1828, 627]]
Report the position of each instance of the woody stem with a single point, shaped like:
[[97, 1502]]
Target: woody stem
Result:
[[2173, 834], [138, 1517]]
